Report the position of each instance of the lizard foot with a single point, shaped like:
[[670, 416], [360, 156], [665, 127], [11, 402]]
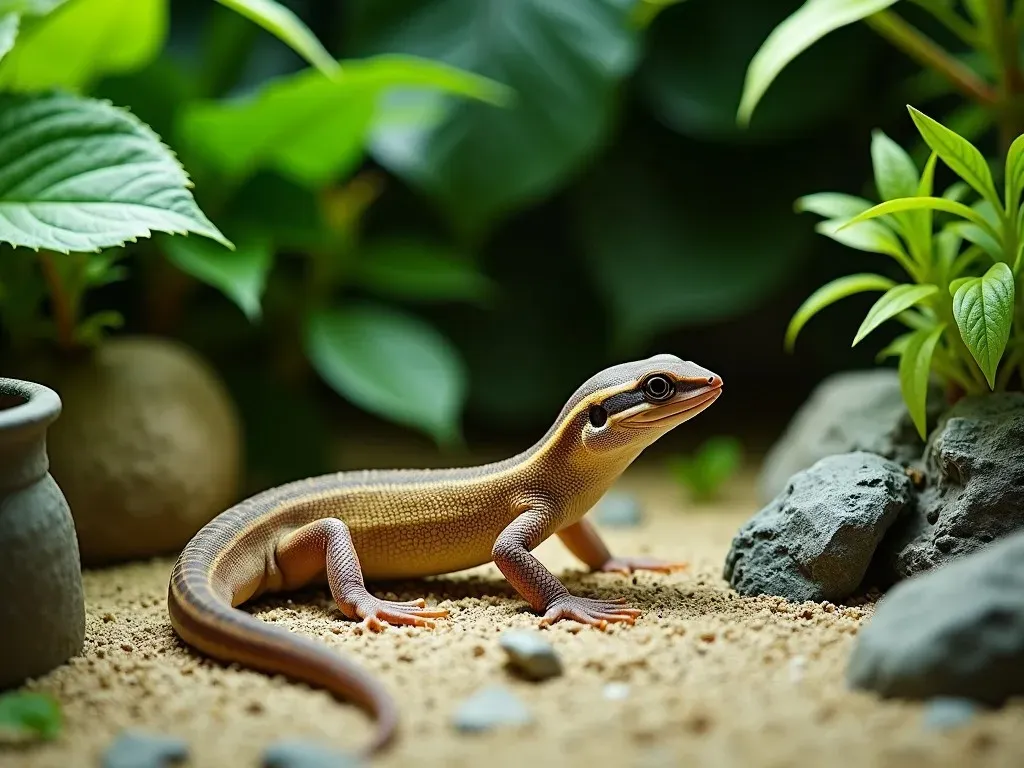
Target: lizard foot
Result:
[[377, 613], [627, 565], [598, 613]]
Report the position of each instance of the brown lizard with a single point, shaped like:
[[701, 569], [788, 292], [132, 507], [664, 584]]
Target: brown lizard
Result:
[[344, 527]]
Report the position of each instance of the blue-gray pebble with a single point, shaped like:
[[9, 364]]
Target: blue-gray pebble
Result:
[[491, 707], [137, 749], [948, 712], [304, 754], [617, 509], [531, 655]]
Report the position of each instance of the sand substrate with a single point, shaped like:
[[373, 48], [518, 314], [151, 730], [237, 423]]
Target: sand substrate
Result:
[[713, 679]]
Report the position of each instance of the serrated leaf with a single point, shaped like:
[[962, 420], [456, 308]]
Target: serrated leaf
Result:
[[894, 301], [419, 271], [93, 37], [286, 26], [81, 175], [916, 203], [983, 308], [8, 32], [313, 128], [390, 364], [27, 712], [958, 153], [914, 371], [840, 288], [832, 205], [895, 173], [241, 274], [808, 24], [1015, 174]]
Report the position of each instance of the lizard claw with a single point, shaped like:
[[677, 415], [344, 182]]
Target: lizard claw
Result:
[[598, 613], [377, 613], [626, 565]]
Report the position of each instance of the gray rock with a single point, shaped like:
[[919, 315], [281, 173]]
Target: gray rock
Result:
[[955, 631], [974, 492], [137, 749], [303, 754], [816, 539], [853, 411], [945, 712], [531, 655], [489, 708], [618, 509]]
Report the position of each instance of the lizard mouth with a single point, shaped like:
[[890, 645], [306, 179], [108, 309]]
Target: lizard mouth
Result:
[[677, 410]]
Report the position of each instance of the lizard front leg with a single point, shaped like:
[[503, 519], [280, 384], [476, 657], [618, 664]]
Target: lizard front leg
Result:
[[539, 587], [584, 542], [327, 543]]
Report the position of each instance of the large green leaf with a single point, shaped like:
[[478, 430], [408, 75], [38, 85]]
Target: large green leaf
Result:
[[895, 172], [418, 271], [832, 205], [811, 22], [83, 40], [390, 364], [829, 294], [8, 32], [284, 24], [311, 127], [870, 236], [697, 95], [894, 301], [565, 62], [915, 370], [1015, 174], [958, 153], [917, 203], [30, 7], [241, 274], [80, 175], [983, 308]]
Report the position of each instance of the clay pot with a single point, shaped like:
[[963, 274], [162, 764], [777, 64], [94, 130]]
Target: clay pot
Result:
[[42, 606]]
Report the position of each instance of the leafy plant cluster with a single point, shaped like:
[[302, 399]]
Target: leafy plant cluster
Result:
[[960, 249]]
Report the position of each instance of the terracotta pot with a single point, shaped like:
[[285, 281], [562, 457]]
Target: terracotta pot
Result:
[[42, 607]]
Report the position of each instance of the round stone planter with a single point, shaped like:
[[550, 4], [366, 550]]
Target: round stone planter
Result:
[[42, 608]]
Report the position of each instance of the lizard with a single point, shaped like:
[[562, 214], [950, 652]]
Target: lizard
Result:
[[381, 525]]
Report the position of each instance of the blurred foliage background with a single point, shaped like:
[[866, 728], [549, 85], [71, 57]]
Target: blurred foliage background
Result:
[[613, 209]]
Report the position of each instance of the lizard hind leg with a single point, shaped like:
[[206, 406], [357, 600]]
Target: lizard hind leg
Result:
[[305, 552]]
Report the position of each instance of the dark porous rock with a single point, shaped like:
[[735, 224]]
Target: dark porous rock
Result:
[[974, 492], [956, 631], [302, 754], [816, 539], [853, 411], [137, 749]]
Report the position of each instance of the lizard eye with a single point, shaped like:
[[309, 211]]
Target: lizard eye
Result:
[[658, 388], [598, 416]]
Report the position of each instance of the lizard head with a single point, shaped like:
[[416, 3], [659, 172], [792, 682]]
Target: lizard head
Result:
[[627, 407]]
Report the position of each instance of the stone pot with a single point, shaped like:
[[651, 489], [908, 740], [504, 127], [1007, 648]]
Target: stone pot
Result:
[[42, 606]]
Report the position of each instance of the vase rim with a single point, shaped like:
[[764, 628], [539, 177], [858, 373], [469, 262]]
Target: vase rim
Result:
[[42, 405]]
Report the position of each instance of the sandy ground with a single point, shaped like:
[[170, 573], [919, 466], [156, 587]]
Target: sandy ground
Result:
[[714, 679]]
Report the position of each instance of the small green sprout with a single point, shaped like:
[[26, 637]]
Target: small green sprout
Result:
[[711, 465], [32, 715]]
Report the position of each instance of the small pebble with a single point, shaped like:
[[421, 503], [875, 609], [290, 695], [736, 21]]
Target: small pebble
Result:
[[616, 691], [491, 707], [136, 749], [531, 655], [302, 754], [797, 668], [618, 510], [948, 712]]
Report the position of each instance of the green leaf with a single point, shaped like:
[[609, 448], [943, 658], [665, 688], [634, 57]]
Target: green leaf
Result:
[[808, 24], [914, 372], [80, 175], [955, 285], [419, 271], [566, 63], [713, 463], [390, 364], [36, 714], [870, 236], [1015, 174], [285, 25], [972, 233], [832, 205], [830, 293], [8, 32], [241, 274], [894, 301], [895, 173], [983, 308], [30, 7], [959, 154], [94, 38], [895, 348], [915, 203], [313, 128]]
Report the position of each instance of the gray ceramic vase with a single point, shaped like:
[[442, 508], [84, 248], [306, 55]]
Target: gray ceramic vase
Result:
[[42, 607]]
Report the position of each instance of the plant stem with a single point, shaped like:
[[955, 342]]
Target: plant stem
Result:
[[926, 51], [62, 302], [951, 20]]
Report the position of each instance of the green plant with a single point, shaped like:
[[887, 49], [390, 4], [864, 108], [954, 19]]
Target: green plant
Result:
[[961, 249], [28, 714], [711, 465]]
